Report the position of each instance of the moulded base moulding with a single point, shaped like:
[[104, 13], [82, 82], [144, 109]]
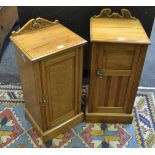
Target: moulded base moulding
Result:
[[52, 133], [108, 117]]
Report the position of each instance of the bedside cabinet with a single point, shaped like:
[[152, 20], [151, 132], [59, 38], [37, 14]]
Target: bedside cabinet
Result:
[[50, 60], [118, 48]]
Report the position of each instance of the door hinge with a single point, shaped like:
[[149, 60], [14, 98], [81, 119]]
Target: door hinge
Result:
[[99, 73], [43, 102]]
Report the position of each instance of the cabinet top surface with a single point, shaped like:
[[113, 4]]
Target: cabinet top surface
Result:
[[117, 31], [44, 39]]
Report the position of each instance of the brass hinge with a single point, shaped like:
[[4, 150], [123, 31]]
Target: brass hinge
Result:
[[99, 73], [43, 102]]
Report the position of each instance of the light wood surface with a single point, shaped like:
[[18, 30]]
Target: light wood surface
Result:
[[34, 123], [115, 67], [62, 128], [137, 78], [110, 88], [61, 86], [117, 30], [110, 117], [29, 85], [52, 85], [53, 132], [44, 41], [107, 13]]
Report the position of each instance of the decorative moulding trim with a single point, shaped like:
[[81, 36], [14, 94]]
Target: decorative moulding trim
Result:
[[35, 24], [107, 13]]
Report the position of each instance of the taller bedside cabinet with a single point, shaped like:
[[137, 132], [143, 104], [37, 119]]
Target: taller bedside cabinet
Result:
[[118, 48], [50, 58]]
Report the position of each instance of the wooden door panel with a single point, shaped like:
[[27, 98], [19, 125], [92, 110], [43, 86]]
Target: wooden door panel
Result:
[[59, 87], [123, 86], [115, 57], [116, 64], [118, 58], [112, 91]]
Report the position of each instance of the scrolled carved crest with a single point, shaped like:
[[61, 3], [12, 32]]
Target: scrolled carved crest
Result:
[[107, 13], [35, 24]]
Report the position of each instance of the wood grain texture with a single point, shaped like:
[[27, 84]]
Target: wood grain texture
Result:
[[59, 80], [115, 68], [107, 13], [91, 91], [42, 42], [110, 88], [52, 133], [34, 24], [59, 87], [80, 77], [62, 128], [117, 31], [52, 86], [39, 89], [29, 86], [136, 80], [109, 117], [34, 123]]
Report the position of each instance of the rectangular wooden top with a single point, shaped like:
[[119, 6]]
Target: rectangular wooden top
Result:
[[117, 31], [46, 41]]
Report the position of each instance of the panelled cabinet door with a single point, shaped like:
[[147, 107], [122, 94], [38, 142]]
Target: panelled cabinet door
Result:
[[52, 81], [59, 87], [114, 73], [119, 45]]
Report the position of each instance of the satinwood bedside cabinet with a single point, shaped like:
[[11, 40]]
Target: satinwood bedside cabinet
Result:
[[50, 57], [118, 48]]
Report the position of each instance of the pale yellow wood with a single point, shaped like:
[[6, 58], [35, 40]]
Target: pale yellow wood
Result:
[[107, 13], [33, 122], [60, 129], [108, 117], [119, 45], [29, 85], [102, 109], [112, 72], [117, 31], [52, 84], [41, 42]]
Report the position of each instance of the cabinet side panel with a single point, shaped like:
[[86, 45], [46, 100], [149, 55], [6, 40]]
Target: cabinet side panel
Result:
[[27, 77], [80, 71], [143, 50], [92, 93]]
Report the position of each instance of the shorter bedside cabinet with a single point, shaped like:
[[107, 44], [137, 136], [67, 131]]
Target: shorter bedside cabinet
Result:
[[50, 60], [118, 48]]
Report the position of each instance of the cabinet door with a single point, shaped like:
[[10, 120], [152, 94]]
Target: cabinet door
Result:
[[61, 80], [112, 76]]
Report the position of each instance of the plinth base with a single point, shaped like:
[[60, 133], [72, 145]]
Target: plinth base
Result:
[[61, 128], [108, 117]]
